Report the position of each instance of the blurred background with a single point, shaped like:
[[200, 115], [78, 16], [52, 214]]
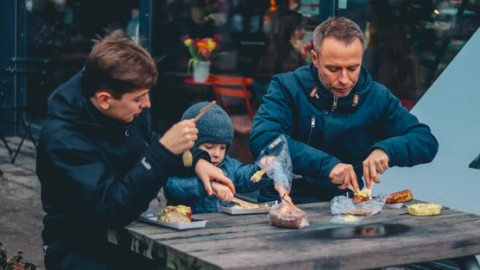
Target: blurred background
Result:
[[45, 42]]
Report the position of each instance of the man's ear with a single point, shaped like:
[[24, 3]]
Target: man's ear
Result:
[[314, 58], [103, 99]]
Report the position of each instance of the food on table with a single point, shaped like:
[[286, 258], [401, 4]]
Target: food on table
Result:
[[364, 211], [400, 197], [179, 213], [362, 196], [349, 218], [173, 217], [283, 217], [422, 209], [251, 206], [287, 214], [256, 177], [181, 209]]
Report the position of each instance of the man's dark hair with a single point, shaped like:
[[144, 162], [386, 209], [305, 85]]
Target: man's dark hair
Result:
[[341, 28], [119, 66]]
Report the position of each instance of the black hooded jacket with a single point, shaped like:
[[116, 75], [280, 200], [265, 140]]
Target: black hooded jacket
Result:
[[96, 173]]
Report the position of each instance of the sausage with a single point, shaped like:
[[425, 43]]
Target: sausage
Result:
[[400, 197]]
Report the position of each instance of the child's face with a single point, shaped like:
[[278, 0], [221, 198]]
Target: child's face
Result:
[[216, 151]]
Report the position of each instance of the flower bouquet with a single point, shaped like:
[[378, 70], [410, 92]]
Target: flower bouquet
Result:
[[202, 52], [307, 55]]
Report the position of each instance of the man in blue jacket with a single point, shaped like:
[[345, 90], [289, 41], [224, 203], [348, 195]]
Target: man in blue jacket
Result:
[[340, 124], [98, 163]]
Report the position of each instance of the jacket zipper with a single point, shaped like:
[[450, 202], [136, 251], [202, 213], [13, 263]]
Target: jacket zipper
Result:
[[312, 125], [335, 101]]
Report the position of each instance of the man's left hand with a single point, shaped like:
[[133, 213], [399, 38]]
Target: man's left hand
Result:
[[207, 172], [376, 163]]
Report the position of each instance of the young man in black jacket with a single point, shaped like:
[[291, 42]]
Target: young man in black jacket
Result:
[[99, 164]]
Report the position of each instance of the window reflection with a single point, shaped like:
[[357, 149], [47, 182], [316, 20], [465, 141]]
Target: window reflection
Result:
[[405, 41]]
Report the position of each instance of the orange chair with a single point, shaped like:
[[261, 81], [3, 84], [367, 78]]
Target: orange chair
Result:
[[226, 86]]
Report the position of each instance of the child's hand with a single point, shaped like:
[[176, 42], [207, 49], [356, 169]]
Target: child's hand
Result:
[[222, 192]]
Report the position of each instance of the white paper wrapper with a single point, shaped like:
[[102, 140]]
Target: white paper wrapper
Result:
[[151, 217], [394, 205]]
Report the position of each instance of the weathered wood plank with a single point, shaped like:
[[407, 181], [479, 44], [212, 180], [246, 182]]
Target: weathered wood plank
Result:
[[250, 242]]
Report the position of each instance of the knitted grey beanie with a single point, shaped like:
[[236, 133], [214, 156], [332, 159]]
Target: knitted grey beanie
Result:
[[214, 126]]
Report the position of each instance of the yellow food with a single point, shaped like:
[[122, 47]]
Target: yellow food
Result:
[[362, 196], [349, 218], [181, 209], [173, 217], [422, 209]]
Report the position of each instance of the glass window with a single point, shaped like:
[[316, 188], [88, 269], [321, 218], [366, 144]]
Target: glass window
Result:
[[253, 40], [410, 42], [63, 31]]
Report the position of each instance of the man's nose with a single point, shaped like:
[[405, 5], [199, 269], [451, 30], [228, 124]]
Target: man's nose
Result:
[[343, 79], [146, 103]]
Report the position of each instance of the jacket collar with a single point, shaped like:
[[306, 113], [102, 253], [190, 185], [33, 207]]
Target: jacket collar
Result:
[[327, 100]]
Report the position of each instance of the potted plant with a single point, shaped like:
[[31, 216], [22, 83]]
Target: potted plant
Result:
[[202, 52]]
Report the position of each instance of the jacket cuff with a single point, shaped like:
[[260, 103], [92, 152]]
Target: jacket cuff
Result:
[[201, 189], [197, 155], [164, 157], [384, 146], [328, 167]]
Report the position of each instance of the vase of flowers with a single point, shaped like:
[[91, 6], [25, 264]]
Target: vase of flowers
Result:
[[202, 51], [307, 55]]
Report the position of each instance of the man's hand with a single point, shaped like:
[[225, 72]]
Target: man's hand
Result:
[[267, 163], [180, 137], [222, 192], [376, 163], [343, 175], [207, 172]]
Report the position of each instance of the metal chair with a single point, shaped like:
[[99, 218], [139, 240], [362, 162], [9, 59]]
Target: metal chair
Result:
[[32, 109]]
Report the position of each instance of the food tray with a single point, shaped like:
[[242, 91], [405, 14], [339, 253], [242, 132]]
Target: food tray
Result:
[[394, 205], [151, 217], [239, 211]]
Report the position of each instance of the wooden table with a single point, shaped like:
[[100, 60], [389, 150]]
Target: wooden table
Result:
[[393, 237]]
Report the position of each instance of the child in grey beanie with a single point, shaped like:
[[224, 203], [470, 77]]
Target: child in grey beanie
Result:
[[215, 135]]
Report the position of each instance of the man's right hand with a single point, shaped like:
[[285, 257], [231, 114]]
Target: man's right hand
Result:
[[207, 172], [343, 175], [222, 192], [180, 137]]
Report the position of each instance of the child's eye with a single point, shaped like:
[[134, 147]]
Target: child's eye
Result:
[[223, 147]]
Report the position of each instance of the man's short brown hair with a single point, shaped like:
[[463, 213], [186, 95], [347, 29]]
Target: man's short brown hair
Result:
[[341, 28], [120, 66]]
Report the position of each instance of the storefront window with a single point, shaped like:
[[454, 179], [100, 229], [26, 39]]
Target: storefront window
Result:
[[405, 40], [62, 32]]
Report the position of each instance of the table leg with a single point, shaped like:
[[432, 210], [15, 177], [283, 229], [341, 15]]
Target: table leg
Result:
[[467, 263]]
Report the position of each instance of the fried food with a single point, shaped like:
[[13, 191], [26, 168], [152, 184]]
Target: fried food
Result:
[[400, 197], [181, 209], [362, 196], [173, 217], [256, 177]]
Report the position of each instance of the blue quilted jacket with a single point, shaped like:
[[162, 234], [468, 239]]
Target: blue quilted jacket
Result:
[[191, 192]]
